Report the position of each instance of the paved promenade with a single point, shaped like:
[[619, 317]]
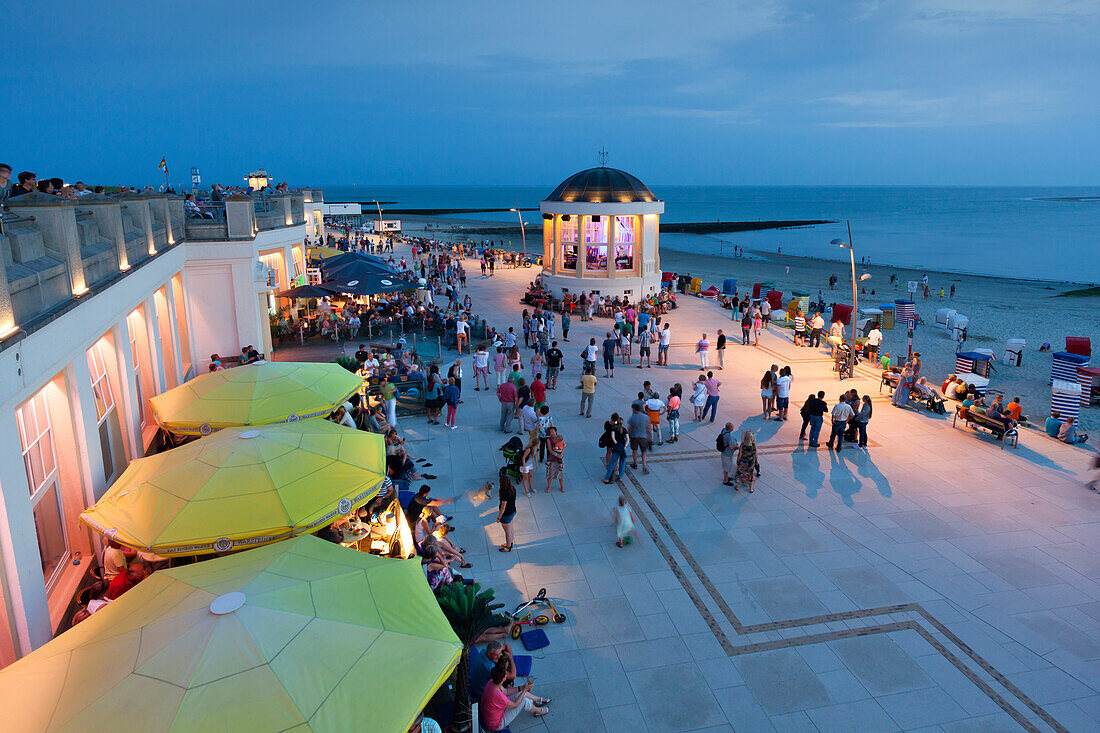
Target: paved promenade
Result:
[[934, 583]]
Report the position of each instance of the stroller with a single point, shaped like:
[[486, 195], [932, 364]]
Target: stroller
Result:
[[513, 454]]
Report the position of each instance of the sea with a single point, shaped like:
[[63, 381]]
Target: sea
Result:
[[1029, 233]]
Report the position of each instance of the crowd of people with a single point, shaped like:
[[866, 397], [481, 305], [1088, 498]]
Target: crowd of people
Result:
[[27, 182]]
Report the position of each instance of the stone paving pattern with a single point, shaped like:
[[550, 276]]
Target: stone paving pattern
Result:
[[933, 583]]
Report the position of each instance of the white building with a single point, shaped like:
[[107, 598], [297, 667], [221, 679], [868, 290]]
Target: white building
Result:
[[601, 235], [104, 302]]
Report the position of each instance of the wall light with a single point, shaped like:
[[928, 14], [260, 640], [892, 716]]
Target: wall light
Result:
[[8, 331], [80, 291]]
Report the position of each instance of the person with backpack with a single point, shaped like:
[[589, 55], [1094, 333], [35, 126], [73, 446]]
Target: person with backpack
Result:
[[726, 444]]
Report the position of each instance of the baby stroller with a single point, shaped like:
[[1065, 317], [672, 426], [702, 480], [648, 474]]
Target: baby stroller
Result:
[[513, 454]]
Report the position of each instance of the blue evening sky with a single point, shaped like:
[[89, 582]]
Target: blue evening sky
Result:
[[510, 92]]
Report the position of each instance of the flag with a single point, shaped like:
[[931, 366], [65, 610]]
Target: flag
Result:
[[163, 165]]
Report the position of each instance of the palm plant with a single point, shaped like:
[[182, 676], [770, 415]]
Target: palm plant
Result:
[[349, 363], [471, 612]]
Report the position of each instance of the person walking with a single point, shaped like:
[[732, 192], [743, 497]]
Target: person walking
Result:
[[862, 418], [816, 327], [757, 323], [554, 359], [388, 392], [645, 338], [588, 354], [506, 511], [450, 397], [610, 344], [588, 393], [783, 393], [555, 464], [462, 332], [623, 519], [617, 439], [702, 347], [729, 445], [508, 396], [720, 347], [711, 385], [805, 413], [841, 414], [566, 321], [639, 429], [748, 465]]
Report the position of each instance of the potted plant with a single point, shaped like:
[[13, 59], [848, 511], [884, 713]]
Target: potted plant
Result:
[[471, 612]]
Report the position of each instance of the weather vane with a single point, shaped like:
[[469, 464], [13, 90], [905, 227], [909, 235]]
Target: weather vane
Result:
[[602, 157]]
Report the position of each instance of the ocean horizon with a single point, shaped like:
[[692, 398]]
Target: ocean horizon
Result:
[[1004, 231]]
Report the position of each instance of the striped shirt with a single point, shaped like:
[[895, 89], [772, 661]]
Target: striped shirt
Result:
[[799, 323]]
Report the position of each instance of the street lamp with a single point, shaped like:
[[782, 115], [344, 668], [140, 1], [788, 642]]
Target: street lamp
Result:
[[522, 231], [855, 302]]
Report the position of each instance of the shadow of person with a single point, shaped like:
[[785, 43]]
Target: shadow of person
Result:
[[841, 478], [866, 467], [807, 470]]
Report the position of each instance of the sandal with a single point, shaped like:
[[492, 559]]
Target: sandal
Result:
[[465, 565], [505, 548], [539, 712], [544, 701]]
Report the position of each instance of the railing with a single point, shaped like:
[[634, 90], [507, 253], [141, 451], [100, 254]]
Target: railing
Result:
[[8, 219]]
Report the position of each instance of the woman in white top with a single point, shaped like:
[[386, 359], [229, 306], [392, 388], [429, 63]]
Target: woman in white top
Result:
[[699, 396]]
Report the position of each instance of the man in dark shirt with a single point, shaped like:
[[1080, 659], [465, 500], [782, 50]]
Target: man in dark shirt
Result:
[[554, 359], [27, 183], [609, 345], [816, 408], [362, 354]]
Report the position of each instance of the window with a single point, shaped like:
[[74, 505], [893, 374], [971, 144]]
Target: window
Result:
[[569, 230], [624, 230], [134, 322], [299, 262], [104, 406], [36, 437], [595, 257], [569, 256], [595, 232], [180, 300]]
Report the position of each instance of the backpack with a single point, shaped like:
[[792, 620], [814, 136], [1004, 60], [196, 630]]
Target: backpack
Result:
[[720, 442]]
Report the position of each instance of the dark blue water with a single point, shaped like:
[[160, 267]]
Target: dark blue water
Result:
[[1008, 231]]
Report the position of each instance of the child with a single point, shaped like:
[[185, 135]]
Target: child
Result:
[[624, 524], [884, 362], [673, 415]]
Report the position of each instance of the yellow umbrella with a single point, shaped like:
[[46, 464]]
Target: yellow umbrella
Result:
[[304, 634], [254, 394], [241, 487]]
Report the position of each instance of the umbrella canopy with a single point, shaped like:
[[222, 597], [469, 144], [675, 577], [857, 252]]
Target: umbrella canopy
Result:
[[254, 394], [350, 265], [370, 284], [304, 633], [241, 487], [305, 291]]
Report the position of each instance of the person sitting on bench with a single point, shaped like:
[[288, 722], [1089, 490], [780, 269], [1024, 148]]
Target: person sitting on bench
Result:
[[1016, 410]]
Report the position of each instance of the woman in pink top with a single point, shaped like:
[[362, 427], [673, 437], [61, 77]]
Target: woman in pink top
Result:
[[672, 415], [500, 361], [498, 709]]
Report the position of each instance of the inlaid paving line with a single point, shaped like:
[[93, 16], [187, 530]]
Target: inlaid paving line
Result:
[[762, 449], [743, 629]]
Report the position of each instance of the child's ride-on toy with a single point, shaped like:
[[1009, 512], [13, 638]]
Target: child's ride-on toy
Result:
[[522, 616]]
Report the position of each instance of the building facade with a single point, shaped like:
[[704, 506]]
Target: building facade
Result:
[[106, 301], [601, 234]]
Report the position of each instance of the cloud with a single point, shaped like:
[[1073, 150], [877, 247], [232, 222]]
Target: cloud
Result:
[[907, 108]]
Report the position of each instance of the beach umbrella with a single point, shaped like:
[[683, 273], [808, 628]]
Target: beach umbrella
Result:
[[241, 487], [302, 635], [305, 291], [254, 394], [370, 284], [353, 266]]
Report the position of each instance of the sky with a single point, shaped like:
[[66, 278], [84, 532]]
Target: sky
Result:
[[419, 92]]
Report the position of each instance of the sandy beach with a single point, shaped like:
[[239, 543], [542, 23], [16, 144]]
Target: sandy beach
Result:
[[998, 308]]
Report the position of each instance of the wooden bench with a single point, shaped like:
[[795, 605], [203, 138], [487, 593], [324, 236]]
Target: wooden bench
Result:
[[995, 427]]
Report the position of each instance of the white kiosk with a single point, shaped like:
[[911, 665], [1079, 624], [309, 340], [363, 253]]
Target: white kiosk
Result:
[[600, 234]]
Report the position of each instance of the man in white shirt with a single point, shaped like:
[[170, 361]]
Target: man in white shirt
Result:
[[462, 328], [816, 327], [765, 311], [481, 368], [662, 346], [783, 393], [590, 353], [874, 338], [841, 414]]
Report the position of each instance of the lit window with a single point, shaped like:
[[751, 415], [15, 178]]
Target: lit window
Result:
[[36, 436], [569, 230], [101, 385], [595, 232], [569, 255], [624, 230], [596, 257]]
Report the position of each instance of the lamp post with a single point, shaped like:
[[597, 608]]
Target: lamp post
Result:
[[522, 231], [855, 302]]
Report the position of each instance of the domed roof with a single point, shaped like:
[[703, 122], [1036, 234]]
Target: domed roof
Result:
[[602, 186]]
